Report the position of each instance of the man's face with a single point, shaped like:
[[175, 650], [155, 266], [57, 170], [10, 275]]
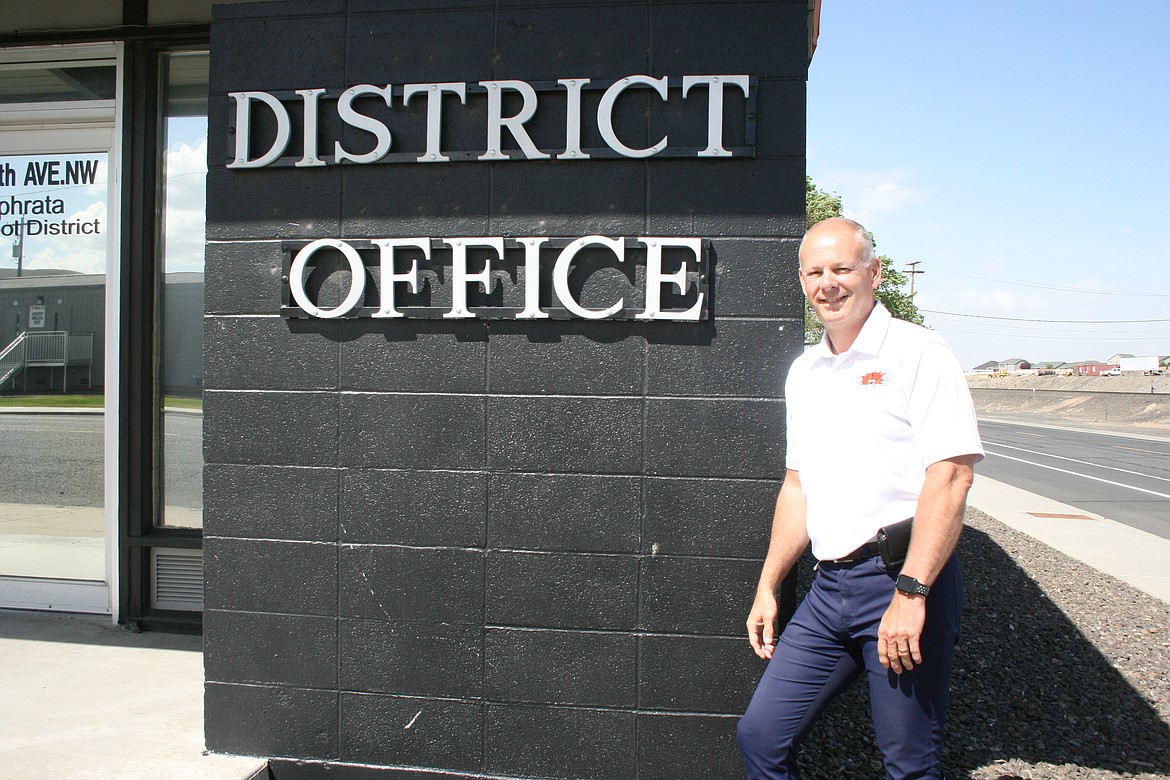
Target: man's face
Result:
[[837, 283]]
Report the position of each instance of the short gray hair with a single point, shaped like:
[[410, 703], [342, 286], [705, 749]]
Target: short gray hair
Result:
[[861, 237]]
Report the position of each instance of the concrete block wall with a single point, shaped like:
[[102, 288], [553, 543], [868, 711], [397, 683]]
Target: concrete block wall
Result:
[[495, 548]]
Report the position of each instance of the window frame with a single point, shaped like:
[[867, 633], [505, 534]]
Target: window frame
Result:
[[140, 484], [40, 128]]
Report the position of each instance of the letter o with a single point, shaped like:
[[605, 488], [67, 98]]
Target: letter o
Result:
[[357, 280]]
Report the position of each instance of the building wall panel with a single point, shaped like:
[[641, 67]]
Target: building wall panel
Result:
[[534, 541]]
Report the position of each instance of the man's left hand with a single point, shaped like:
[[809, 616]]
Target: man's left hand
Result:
[[898, 633]]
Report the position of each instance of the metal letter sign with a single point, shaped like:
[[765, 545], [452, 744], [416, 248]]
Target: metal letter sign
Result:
[[594, 277], [505, 137]]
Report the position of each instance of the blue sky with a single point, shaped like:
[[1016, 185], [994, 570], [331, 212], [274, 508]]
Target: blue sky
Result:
[[1019, 150]]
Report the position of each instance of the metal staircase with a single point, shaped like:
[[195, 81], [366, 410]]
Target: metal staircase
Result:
[[52, 348], [12, 360]]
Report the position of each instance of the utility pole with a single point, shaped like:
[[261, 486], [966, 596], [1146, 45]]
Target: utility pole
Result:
[[912, 273], [18, 252]]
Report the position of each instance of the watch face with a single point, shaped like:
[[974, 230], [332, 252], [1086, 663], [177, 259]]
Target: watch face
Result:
[[910, 585]]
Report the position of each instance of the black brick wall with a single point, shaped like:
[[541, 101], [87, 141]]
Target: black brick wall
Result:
[[496, 548]]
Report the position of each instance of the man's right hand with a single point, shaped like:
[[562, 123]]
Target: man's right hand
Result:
[[761, 625], [788, 540]]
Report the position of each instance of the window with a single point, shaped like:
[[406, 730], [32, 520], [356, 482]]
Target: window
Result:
[[183, 174], [59, 81], [57, 216], [102, 507]]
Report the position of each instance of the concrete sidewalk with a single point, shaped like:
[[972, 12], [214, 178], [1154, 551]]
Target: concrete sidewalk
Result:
[[86, 699]]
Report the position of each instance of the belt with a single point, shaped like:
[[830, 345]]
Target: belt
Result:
[[864, 552]]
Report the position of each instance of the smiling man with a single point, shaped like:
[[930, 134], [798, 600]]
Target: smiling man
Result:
[[882, 440]]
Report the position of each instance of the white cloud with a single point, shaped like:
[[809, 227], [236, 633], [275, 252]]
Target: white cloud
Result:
[[186, 207], [886, 196], [83, 253], [868, 194], [99, 186]]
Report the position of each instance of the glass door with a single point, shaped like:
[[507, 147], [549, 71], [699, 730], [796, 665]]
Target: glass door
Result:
[[58, 320]]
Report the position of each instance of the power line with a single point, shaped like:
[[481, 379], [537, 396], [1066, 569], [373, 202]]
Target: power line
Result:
[[1055, 322], [1037, 285], [1019, 330], [1030, 336]]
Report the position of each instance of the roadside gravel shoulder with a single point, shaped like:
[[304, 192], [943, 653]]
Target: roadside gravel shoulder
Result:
[[1062, 673]]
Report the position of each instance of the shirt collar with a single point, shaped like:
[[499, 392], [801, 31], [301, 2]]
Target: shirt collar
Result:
[[869, 339]]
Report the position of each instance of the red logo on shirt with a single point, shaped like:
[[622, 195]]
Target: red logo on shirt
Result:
[[873, 378]]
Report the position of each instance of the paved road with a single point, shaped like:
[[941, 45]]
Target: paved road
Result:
[[183, 459], [51, 459], [56, 459], [1118, 477]]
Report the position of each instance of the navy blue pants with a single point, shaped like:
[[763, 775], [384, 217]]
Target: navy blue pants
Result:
[[829, 642]]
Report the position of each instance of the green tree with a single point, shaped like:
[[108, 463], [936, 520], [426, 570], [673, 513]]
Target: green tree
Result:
[[818, 204], [821, 205]]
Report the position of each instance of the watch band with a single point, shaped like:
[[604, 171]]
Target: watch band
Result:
[[911, 586]]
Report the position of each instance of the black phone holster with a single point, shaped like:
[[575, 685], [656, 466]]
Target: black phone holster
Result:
[[894, 542]]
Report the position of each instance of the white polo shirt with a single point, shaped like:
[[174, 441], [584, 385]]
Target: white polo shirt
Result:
[[864, 425]]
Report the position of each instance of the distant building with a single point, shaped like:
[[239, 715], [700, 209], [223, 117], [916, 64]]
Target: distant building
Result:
[[1091, 367], [71, 309], [1011, 365], [1014, 364]]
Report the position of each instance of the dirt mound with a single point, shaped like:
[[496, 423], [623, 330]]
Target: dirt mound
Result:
[[1126, 383], [1130, 401]]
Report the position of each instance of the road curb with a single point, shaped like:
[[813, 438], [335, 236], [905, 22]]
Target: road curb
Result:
[[52, 410]]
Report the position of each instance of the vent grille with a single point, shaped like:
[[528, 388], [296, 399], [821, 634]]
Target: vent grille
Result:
[[177, 579]]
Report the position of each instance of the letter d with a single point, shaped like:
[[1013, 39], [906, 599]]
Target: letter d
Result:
[[244, 129]]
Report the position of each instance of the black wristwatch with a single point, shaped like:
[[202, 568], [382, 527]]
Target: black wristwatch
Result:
[[911, 586]]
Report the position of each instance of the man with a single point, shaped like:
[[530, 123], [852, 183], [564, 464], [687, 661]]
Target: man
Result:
[[880, 428]]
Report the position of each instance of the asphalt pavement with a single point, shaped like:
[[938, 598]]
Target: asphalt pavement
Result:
[[1120, 477], [55, 456]]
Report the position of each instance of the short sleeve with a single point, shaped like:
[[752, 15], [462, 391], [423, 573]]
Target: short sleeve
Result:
[[942, 416]]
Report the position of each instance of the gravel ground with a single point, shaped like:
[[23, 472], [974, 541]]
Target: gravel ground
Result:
[[1062, 672]]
